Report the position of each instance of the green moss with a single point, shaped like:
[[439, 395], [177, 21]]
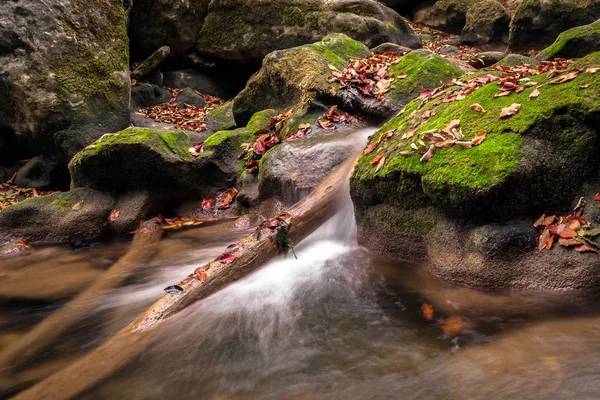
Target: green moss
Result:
[[513, 60], [561, 47], [454, 170], [424, 70], [63, 202], [260, 120], [338, 48], [174, 142], [89, 65]]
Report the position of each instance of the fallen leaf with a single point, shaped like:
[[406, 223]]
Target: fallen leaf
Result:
[[464, 145], [584, 86], [428, 155], [455, 123], [453, 326], [380, 165], [479, 138], [376, 159], [534, 94], [333, 91], [114, 215], [565, 78], [427, 114], [585, 248], [597, 197], [568, 233], [402, 75], [545, 240], [511, 110], [540, 221], [227, 258], [477, 107], [77, 206], [502, 94], [409, 134], [427, 311], [201, 274], [592, 71], [370, 148]]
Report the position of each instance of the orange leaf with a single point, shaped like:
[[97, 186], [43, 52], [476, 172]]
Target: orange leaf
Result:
[[455, 123], [376, 159], [427, 311], [597, 197], [201, 274], [568, 233], [534, 94], [585, 248], [370, 148], [453, 326], [477, 107], [511, 110], [479, 138], [380, 165]]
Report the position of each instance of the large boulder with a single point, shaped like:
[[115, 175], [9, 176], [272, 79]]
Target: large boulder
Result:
[[468, 212], [574, 43], [244, 31], [157, 23], [486, 26], [444, 15], [63, 73], [293, 78], [537, 23]]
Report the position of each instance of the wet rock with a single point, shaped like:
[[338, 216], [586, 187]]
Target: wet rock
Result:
[[200, 63], [221, 119], [243, 31], [390, 48], [450, 51], [294, 78], [486, 26], [444, 15], [151, 63], [403, 7], [62, 217], [133, 208], [490, 58], [513, 60], [188, 96], [43, 174], [574, 43], [468, 212], [7, 172], [156, 23], [196, 80], [64, 87], [537, 23], [147, 95]]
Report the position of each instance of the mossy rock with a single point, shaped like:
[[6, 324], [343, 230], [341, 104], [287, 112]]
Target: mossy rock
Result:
[[245, 31], [550, 143], [221, 119], [487, 24], [424, 70], [537, 23], [62, 217], [574, 43], [514, 60], [145, 159], [444, 15], [76, 66], [293, 78]]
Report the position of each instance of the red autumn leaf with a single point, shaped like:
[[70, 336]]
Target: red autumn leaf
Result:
[[252, 167], [227, 258], [454, 326], [114, 215], [582, 221], [568, 233], [427, 114], [597, 197], [201, 274], [511, 110], [585, 248], [370, 148], [545, 240], [376, 159], [540, 221], [427, 311], [208, 203], [428, 155], [425, 93]]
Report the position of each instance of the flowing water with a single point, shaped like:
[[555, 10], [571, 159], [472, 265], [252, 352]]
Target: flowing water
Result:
[[336, 323]]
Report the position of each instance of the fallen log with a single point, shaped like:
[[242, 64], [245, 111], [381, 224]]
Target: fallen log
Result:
[[250, 253], [43, 334]]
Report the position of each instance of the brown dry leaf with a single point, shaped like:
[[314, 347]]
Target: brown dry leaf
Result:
[[545, 240], [370, 148], [446, 143], [479, 138], [569, 242], [376, 159], [455, 123], [77, 206], [454, 326], [464, 145], [427, 114], [502, 94], [409, 134], [427, 311], [584, 86], [565, 78], [535, 94], [333, 91], [428, 155], [380, 165], [402, 75], [477, 107], [585, 248], [592, 71], [510, 110]]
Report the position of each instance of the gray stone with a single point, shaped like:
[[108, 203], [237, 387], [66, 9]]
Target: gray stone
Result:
[[42, 173], [147, 95], [189, 96], [196, 80], [390, 48], [486, 26], [450, 51], [490, 58]]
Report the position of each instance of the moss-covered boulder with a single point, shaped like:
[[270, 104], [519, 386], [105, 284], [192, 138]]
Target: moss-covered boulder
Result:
[[445, 15], [536, 161], [244, 31], [514, 60], [537, 23], [486, 26], [63, 73], [157, 23], [62, 217], [293, 78], [574, 43]]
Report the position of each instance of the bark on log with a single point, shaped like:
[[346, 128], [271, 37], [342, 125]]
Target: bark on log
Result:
[[43, 334], [302, 219]]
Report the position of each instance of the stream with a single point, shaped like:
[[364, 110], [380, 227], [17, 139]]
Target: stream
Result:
[[336, 323]]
